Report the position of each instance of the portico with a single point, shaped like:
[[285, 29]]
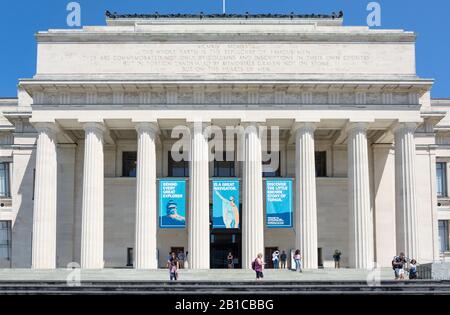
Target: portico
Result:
[[350, 121]]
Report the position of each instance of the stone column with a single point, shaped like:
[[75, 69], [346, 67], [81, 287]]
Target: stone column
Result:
[[360, 217], [198, 224], [93, 199], [253, 213], [145, 256], [305, 201], [405, 186], [44, 211]]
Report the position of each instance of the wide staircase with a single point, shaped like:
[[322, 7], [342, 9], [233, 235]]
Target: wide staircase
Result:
[[212, 282]]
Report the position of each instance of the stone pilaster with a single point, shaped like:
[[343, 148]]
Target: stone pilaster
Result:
[[305, 201], [253, 214], [405, 186], [145, 256], [360, 216], [93, 198], [198, 220], [44, 211]]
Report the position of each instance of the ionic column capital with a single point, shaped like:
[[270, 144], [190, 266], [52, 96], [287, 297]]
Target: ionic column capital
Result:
[[357, 127], [405, 127], [96, 127], [303, 127], [255, 124], [49, 128], [150, 127]]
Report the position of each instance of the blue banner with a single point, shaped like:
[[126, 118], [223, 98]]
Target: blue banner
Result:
[[172, 203], [226, 204], [279, 203]]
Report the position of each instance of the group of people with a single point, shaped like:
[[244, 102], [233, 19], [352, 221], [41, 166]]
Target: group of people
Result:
[[258, 264], [279, 259], [401, 265]]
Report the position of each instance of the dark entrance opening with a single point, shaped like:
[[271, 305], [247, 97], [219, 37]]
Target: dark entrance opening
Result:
[[268, 256], [223, 242]]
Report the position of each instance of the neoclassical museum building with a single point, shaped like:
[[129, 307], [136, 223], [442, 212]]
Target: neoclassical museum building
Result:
[[113, 154]]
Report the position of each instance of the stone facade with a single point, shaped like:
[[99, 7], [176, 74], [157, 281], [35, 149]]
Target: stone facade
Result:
[[348, 91]]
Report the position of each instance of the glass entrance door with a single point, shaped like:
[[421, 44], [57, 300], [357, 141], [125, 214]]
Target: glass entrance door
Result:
[[224, 242]]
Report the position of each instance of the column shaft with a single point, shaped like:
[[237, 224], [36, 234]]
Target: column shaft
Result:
[[306, 204], [44, 211], [253, 214], [146, 223], [198, 244], [93, 198], [405, 184], [360, 223]]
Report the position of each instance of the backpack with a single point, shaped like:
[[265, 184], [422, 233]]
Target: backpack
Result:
[[254, 264]]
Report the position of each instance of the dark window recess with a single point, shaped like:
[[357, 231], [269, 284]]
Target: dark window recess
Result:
[[130, 257], [224, 168], [4, 180], [177, 168], [321, 164], [129, 164], [441, 178], [272, 170]]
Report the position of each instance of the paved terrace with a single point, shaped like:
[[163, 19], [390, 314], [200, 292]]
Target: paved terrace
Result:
[[195, 275]]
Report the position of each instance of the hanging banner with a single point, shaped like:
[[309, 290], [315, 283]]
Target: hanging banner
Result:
[[226, 204], [172, 203], [279, 203]]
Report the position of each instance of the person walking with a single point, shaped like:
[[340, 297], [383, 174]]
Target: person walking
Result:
[[337, 259], [283, 258], [298, 261], [173, 266], [258, 266], [276, 259]]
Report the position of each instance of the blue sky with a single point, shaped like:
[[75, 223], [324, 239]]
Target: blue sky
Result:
[[20, 20]]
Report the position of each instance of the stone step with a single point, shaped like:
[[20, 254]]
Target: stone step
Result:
[[217, 288]]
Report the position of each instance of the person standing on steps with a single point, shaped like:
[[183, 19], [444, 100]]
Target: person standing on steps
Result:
[[298, 261], [337, 259], [230, 260], [283, 258], [173, 266], [276, 259], [258, 266]]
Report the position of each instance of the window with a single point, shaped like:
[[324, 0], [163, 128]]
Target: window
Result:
[[4, 180], [441, 177], [129, 164], [178, 168], [5, 240], [321, 164], [225, 168], [443, 236], [272, 168], [130, 257]]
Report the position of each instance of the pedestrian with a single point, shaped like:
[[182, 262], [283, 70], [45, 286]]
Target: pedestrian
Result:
[[337, 259], [258, 266], [398, 265], [276, 259], [413, 269], [283, 259], [230, 260], [181, 259], [173, 266], [298, 261]]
